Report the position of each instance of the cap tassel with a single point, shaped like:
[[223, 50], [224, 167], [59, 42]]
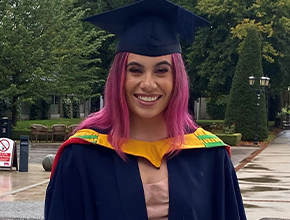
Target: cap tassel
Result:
[[187, 24]]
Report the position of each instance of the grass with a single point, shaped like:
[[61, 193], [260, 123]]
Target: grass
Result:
[[273, 134], [25, 125]]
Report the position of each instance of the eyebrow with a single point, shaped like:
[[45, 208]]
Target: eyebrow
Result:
[[163, 62], [134, 63], [157, 64]]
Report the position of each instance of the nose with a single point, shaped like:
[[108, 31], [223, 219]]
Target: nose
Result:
[[148, 82]]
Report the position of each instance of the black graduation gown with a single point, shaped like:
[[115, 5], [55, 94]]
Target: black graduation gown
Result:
[[92, 182]]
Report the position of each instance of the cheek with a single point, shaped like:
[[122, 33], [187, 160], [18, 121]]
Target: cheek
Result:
[[169, 86], [127, 85], [170, 91]]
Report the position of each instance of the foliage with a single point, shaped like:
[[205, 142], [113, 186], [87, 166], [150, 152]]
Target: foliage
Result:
[[76, 107], [39, 108], [216, 128], [230, 139], [216, 108], [74, 54], [44, 105], [16, 46], [240, 31], [67, 108], [3, 107], [274, 107], [44, 50], [283, 113], [212, 59], [231, 129], [221, 128], [33, 114], [242, 105]]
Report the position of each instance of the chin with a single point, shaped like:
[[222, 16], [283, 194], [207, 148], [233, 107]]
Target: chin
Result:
[[148, 114]]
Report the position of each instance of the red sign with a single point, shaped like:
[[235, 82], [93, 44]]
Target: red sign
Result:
[[5, 157], [7, 152]]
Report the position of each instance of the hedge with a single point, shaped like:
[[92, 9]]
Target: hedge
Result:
[[230, 139]]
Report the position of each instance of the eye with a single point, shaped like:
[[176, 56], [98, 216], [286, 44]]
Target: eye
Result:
[[135, 70], [161, 70]]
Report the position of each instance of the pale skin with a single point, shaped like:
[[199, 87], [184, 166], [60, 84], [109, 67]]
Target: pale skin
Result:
[[149, 84]]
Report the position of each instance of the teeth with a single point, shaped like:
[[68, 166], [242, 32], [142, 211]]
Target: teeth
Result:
[[148, 99]]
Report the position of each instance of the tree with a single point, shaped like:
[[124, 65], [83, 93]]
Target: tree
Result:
[[45, 50], [17, 52], [242, 108], [74, 60], [214, 65]]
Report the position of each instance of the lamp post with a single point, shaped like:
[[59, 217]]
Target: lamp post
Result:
[[264, 82]]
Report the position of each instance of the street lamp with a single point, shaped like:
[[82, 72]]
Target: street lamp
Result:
[[264, 82]]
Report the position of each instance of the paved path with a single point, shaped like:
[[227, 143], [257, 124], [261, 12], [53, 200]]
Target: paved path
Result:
[[22, 193], [265, 181]]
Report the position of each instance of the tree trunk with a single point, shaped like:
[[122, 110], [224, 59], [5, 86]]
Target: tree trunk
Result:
[[14, 111]]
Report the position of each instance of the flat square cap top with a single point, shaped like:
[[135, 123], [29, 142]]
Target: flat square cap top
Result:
[[150, 27]]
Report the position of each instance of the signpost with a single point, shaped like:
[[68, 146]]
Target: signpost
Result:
[[8, 153]]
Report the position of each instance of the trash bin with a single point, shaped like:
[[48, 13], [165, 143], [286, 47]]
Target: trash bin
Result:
[[24, 153], [5, 127]]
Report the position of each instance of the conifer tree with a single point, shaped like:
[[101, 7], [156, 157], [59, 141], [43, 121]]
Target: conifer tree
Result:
[[242, 108]]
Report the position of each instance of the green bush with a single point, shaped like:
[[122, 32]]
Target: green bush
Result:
[[215, 128], [33, 115], [67, 108], [230, 139], [216, 108], [230, 129], [211, 125], [39, 109], [76, 107], [44, 105]]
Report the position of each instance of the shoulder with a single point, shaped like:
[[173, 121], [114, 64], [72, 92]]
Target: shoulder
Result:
[[85, 151], [207, 153], [79, 150], [215, 158]]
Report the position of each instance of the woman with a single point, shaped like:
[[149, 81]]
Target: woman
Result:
[[142, 156]]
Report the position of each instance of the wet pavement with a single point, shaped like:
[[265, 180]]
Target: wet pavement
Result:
[[264, 177], [22, 194], [265, 181]]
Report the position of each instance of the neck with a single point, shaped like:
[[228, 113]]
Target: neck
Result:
[[144, 129]]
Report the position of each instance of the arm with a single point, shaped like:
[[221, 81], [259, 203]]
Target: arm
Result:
[[233, 199], [65, 194]]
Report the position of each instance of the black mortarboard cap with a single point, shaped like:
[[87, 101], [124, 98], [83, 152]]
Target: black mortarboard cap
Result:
[[150, 27]]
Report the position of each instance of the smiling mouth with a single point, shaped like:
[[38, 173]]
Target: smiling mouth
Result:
[[148, 98]]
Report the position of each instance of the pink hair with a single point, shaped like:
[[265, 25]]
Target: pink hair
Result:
[[114, 117], [177, 118]]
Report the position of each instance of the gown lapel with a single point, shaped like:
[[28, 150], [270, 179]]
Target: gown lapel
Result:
[[130, 188], [178, 190]]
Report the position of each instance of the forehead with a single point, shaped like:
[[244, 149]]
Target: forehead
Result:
[[147, 60]]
